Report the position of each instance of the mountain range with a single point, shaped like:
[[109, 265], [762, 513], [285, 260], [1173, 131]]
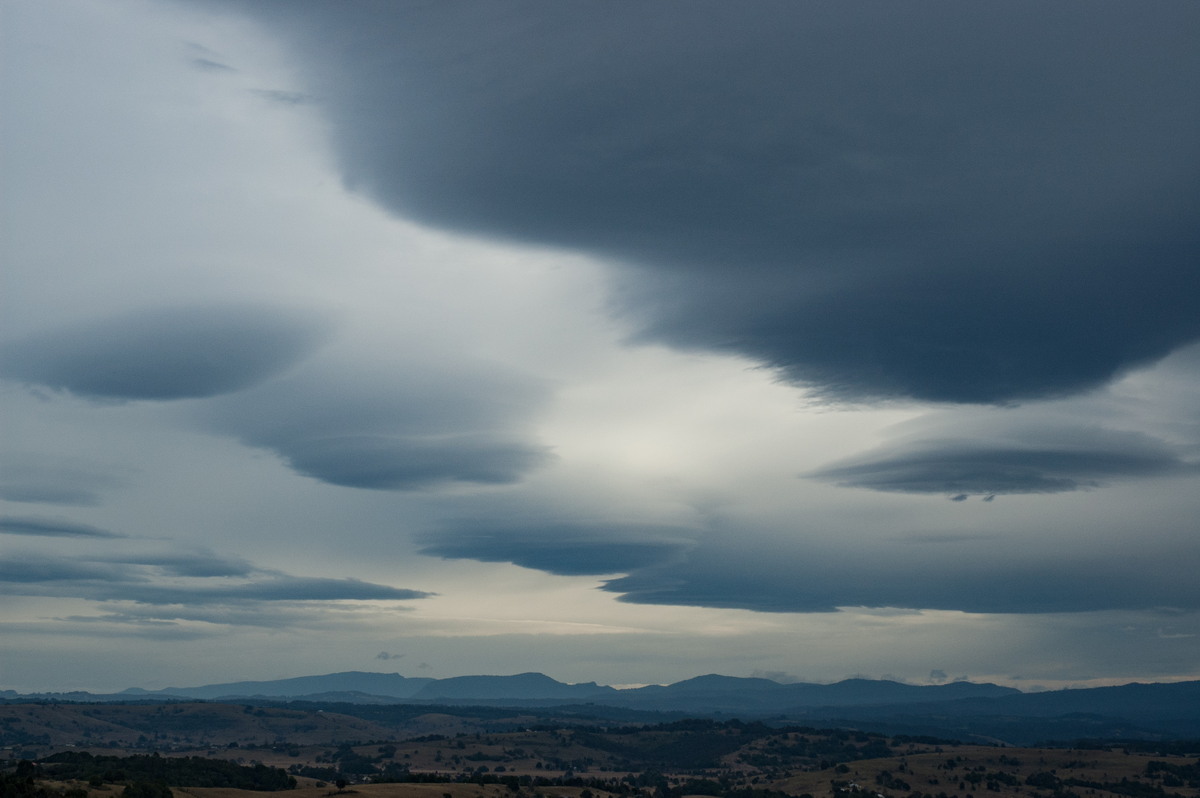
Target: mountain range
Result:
[[958, 710], [708, 694]]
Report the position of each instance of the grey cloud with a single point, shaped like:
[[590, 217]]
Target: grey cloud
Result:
[[942, 539], [386, 462], [117, 625], [888, 203], [200, 580], [1028, 461], [21, 574], [789, 581], [699, 583], [142, 619], [282, 97], [163, 354], [200, 564], [278, 588], [41, 479], [48, 494], [783, 677], [723, 564], [208, 65], [566, 548], [40, 527], [392, 426], [120, 618]]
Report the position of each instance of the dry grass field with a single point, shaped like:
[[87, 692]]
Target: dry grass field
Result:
[[982, 772]]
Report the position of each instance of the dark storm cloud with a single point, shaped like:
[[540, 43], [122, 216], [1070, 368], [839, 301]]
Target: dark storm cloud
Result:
[[809, 570], [39, 527], [176, 353], [568, 549], [791, 581], [1045, 461], [961, 202], [391, 426]]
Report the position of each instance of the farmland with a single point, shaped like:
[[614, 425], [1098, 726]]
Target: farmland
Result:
[[95, 751]]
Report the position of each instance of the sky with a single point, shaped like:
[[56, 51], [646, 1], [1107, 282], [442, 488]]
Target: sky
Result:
[[624, 342]]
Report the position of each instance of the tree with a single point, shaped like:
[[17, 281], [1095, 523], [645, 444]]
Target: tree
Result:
[[147, 789]]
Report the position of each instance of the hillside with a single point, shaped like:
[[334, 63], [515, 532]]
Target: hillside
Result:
[[960, 710], [672, 760]]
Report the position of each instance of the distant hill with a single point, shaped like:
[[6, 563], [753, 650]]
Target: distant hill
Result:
[[726, 694], [1131, 710], [711, 693], [390, 685], [129, 724], [960, 710], [523, 686]]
